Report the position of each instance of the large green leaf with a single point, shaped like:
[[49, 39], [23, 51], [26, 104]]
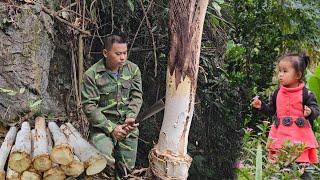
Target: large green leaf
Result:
[[314, 86], [258, 175]]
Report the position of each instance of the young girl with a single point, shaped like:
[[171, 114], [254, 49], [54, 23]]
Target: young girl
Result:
[[295, 108]]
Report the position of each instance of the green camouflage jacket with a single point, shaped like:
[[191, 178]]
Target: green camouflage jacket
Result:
[[108, 100]]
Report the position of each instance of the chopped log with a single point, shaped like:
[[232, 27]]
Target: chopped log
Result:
[[41, 157], [20, 157], [29, 175], [12, 175], [61, 152], [5, 150], [55, 172], [74, 169], [92, 158]]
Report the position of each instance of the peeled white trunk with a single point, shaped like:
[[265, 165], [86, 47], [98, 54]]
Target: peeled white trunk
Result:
[[169, 158], [20, 157], [41, 157], [12, 175], [61, 152], [94, 161], [5, 150], [74, 169]]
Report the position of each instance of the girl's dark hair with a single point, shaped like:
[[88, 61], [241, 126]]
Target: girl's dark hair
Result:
[[111, 39], [299, 61]]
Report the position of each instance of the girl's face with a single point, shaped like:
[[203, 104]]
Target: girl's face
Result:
[[287, 75]]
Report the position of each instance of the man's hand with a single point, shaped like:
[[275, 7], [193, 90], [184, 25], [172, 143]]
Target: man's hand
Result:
[[130, 124], [119, 132], [307, 111], [256, 103]]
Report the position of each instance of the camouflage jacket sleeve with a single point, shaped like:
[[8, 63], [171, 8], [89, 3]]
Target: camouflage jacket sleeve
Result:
[[135, 96], [90, 100]]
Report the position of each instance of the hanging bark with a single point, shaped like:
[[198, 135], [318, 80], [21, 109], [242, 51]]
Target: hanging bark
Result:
[[74, 169], [61, 152], [94, 161], [169, 158], [5, 150], [20, 157], [41, 157], [12, 175]]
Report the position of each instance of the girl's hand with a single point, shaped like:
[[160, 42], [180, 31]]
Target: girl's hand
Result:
[[256, 103], [307, 111]]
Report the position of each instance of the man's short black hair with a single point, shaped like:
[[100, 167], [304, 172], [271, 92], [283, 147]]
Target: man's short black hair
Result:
[[111, 39]]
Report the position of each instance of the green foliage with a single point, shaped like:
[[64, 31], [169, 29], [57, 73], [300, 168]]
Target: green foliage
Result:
[[254, 161], [313, 82]]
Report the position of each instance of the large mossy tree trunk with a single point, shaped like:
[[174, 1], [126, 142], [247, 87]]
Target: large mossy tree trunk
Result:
[[26, 49], [169, 158]]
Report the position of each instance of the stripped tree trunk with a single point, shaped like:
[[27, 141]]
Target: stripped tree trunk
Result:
[[94, 161], [5, 150], [20, 157], [41, 157], [61, 152], [169, 158]]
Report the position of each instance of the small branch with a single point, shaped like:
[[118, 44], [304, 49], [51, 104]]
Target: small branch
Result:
[[68, 7], [54, 15], [112, 15], [80, 65], [153, 41], [74, 77], [135, 36]]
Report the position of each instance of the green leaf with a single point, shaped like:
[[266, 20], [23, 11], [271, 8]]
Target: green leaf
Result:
[[217, 8], [8, 91], [314, 86], [131, 6], [258, 175], [219, 1], [22, 90], [35, 104]]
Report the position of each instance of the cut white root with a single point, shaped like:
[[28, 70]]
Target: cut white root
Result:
[[5, 150], [94, 161], [74, 169], [41, 157], [61, 152], [20, 157]]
